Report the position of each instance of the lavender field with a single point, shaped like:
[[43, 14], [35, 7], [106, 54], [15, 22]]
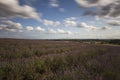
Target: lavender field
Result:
[[58, 60]]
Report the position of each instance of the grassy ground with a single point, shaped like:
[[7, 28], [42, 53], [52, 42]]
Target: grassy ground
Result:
[[58, 60]]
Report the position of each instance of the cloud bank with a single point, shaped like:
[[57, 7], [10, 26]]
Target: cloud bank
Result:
[[113, 22], [91, 27], [103, 8]]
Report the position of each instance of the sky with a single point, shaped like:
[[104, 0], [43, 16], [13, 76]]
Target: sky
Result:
[[60, 19]]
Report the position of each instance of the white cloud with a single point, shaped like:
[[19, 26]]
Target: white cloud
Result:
[[53, 3], [51, 31], [39, 29], [29, 28], [104, 8], [11, 30], [86, 26], [70, 21], [71, 18], [51, 23], [91, 27], [60, 31], [10, 26], [47, 22], [113, 22], [57, 23], [94, 3], [11, 9]]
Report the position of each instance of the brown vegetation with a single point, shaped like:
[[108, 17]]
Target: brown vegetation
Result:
[[58, 60]]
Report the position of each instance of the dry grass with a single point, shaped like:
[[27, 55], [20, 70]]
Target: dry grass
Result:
[[58, 60]]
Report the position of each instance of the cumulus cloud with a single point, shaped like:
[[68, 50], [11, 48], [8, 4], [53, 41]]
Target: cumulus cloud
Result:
[[70, 21], [39, 29], [29, 28], [51, 31], [11, 9], [91, 27], [86, 26], [59, 31], [104, 8], [10, 26], [113, 22], [53, 3], [51, 23]]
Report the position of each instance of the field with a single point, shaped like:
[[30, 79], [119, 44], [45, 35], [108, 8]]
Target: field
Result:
[[58, 60]]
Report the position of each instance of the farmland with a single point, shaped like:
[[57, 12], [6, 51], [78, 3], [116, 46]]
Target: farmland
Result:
[[22, 59]]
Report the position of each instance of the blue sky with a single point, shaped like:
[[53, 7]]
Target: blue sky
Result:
[[60, 19]]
